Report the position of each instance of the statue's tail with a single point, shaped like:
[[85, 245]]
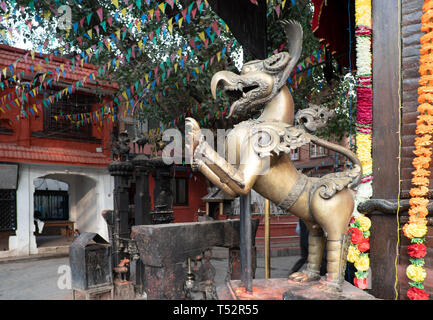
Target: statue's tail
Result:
[[334, 182]]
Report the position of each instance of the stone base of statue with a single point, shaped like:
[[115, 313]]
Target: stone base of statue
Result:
[[284, 289]]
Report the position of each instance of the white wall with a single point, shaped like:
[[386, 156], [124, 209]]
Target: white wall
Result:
[[90, 192]]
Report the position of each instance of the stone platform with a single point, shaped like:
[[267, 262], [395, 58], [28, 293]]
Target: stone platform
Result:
[[284, 289]]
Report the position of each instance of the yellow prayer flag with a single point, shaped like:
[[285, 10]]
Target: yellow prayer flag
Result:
[[175, 68], [123, 12], [170, 25], [89, 32], [218, 55], [151, 13], [162, 7], [146, 76], [32, 53], [47, 15], [202, 37], [197, 70], [180, 22], [116, 3], [118, 34], [283, 3]]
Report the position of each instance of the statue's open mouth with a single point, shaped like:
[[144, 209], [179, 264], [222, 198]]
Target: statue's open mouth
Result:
[[242, 90], [236, 93]]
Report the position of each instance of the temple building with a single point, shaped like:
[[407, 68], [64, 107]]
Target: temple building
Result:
[[54, 150]]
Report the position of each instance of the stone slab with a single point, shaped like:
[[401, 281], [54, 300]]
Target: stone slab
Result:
[[284, 289]]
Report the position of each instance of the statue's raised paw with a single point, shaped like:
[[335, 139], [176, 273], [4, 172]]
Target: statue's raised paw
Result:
[[192, 136], [304, 276]]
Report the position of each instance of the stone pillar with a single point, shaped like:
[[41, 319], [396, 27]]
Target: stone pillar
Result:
[[142, 196], [163, 194], [122, 173]]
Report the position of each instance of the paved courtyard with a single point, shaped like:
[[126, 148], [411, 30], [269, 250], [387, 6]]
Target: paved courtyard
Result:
[[40, 279]]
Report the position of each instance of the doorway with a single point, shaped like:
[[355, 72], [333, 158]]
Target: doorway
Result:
[[51, 213]]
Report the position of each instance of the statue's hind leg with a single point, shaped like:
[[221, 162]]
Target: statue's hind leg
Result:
[[336, 262], [333, 215], [316, 245]]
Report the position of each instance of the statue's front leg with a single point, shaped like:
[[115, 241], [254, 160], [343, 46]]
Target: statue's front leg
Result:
[[194, 141], [215, 167]]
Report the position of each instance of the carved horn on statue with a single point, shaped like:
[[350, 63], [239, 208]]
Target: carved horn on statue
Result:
[[294, 35]]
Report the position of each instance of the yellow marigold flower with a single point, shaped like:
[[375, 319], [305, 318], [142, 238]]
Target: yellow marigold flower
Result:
[[364, 223], [416, 273], [412, 230], [363, 13], [353, 254], [363, 263]]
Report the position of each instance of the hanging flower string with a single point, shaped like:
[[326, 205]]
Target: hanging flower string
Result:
[[416, 228], [360, 224]]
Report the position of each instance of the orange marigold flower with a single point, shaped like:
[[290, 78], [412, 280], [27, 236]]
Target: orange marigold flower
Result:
[[423, 98], [423, 129], [417, 220], [418, 211], [419, 202], [421, 162], [425, 118], [425, 108], [420, 181], [423, 151], [425, 140], [420, 172], [418, 192]]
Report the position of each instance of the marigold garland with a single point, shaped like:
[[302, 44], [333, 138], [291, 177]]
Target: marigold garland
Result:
[[360, 224], [416, 228]]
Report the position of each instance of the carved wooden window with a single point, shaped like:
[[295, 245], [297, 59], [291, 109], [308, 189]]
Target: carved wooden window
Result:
[[51, 204], [317, 151], [294, 154], [62, 116], [180, 191], [8, 210]]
